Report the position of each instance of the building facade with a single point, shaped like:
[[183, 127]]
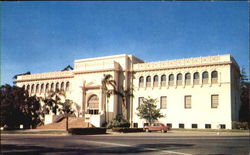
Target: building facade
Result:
[[198, 92]]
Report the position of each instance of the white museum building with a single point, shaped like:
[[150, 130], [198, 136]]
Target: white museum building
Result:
[[202, 92]]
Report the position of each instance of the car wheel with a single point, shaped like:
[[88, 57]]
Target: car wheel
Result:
[[162, 131], [147, 130]]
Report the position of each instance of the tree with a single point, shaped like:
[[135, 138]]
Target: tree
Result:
[[106, 82], [244, 114], [17, 107], [67, 68], [53, 100], [148, 110], [125, 94], [66, 109]]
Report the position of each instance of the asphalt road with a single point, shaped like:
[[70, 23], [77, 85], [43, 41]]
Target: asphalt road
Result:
[[146, 143]]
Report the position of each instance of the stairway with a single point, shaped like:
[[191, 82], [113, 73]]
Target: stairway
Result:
[[74, 122]]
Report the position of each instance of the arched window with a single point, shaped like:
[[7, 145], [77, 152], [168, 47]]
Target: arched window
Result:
[[179, 79], [141, 81], [67, 86], [42, 88], [163, 80], [214, 76], [148, 81], [155, 82], [93, 105], [205, 77], [57, 86], [52, 87], [47, 88], [28, 88], [32, 88], [171, 80], [196, 78], [37, 88], [187, 79], [62, 86]]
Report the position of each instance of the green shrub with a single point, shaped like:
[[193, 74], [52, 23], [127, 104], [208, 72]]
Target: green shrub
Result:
[[118, 121], [86, 131]]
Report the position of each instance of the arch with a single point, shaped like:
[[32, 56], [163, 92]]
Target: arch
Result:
[[37, 88], [148, 81], [214, 76], [47, 87], [62, 86], [28, 88], [205, 77], [52, 87], [93, 105], [141, 81], [163, 80], [32, 88], [155, 81], [67, 86], [187, 79], [171, 79], [196, 78], [42, 88], [179, 79], [57, 86]]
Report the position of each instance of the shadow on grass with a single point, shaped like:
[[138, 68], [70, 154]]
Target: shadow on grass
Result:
[[87, 149]]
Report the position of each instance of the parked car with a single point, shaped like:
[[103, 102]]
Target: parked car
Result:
[[156, 127]]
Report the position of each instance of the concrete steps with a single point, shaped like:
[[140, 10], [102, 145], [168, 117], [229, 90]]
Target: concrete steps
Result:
[[74, 122]]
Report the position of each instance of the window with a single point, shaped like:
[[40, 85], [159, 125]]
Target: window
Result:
[[205, 77], [179, 79], [214, 101], [32, 88], [28, 88], [196, 78], [135, 125], [145, 124], [57, 86], [181, 125], [187, 79], [62, 86], [171, 80], [222, 126], [188, 102], [47, 88], [37, 88], [148, 81], [164, 102], [155, 83], [169, 125], [208, 126], [42, 88], [141, 81], [140, 101], [214, 77], [93, 105], [194, 126], [67, 86], [163, 80], [52, 87]]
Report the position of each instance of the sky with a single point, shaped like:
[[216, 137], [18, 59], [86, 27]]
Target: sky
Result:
[[47, 36]]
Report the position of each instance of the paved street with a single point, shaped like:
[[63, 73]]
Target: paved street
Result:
[[140, 143]]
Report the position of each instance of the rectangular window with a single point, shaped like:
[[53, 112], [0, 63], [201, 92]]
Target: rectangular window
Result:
[[222, 126], [214, 101], [135, 125], [195, 126], [208, 126], [188, 102], [145, 124], [169, 125], [140, 101], [163, 102], [181, 126]]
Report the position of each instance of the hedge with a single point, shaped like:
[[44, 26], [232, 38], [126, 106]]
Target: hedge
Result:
[[127, 130], [87, 131]]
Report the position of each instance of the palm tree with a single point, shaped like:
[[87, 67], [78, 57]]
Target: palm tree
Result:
[[107, 81], [125, 94], [54, 99]]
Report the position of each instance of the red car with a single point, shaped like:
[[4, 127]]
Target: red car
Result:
[[157, 127]]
